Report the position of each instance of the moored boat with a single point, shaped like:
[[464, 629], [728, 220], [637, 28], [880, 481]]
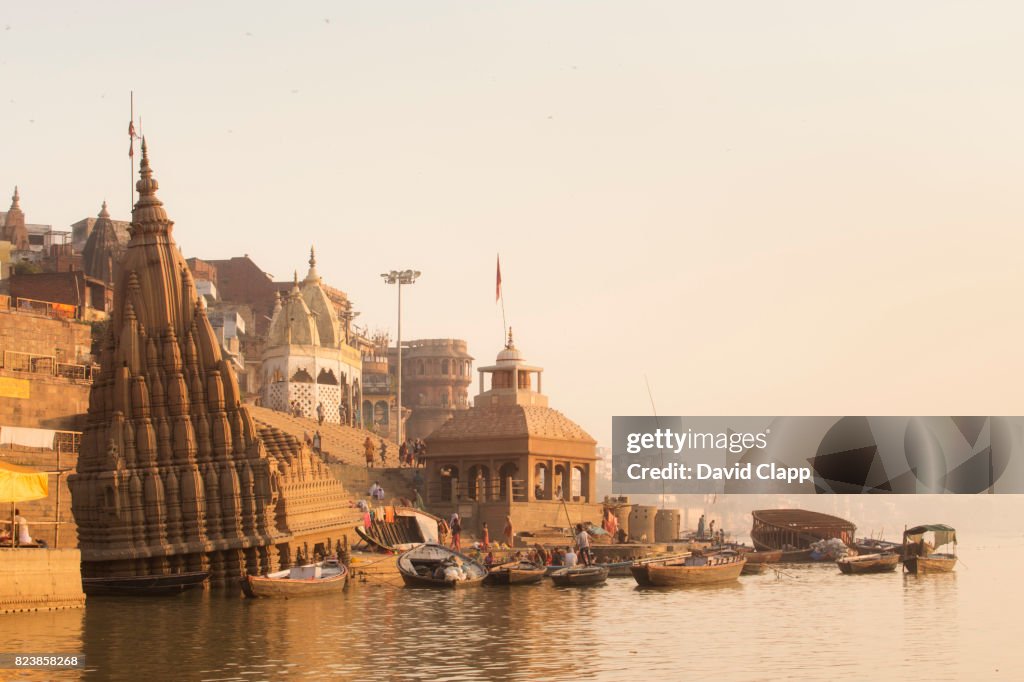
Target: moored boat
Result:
[[868, 563], [579, 576], [639, 568], [144, 585], [517, 573], [399, 529], [919, 556], [794, 531], [325, 577], [697, 571], [435, 566]]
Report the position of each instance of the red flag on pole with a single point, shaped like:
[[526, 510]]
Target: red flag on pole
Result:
[[131, 138], [497, 287]]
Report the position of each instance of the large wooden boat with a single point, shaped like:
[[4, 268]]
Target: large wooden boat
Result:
[[145, 585], [795, 530], [517, 573], [919, 556], [325, 577], [435, 566], [868, 563], [697, 571], [580, 576], [399, 529]]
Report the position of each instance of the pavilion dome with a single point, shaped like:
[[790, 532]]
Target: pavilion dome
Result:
[[320, 305], [293, 322]]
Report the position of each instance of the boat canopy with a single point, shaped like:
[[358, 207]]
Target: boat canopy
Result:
[[943, 534]]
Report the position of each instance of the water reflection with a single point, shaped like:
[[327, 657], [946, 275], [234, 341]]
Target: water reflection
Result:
[[809, 621]]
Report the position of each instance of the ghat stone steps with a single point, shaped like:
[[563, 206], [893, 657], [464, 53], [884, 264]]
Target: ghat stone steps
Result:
[[343, 446]]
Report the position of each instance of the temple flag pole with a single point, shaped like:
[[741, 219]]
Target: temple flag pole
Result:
[[131, 151], [499, 296]]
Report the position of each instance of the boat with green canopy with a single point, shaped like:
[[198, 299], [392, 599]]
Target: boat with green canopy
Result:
[[919, 555]]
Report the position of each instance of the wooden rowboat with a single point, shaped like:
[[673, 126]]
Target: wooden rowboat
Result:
[[639, 568], [325, 577], [518, 573], [438, 567], [718, 569], [868, 563], [144, 585], [580, 576]]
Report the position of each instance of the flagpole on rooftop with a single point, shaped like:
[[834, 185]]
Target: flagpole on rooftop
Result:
[[500, 296]]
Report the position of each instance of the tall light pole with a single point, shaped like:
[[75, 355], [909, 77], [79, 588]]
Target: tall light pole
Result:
[[400, 277]]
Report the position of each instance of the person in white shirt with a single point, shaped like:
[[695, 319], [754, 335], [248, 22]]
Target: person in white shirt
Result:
[[583, 543], [570, 558], [24, 538]]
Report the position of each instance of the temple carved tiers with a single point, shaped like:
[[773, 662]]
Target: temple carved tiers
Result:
[[173, 474]]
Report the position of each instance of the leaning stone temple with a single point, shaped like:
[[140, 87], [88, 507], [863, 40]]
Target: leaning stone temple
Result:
[[173, 475], [512, 455]]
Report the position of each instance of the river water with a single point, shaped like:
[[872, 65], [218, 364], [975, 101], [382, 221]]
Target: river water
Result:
[[807, 622]]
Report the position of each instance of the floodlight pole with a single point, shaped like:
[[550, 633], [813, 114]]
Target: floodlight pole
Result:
[[400, 277]]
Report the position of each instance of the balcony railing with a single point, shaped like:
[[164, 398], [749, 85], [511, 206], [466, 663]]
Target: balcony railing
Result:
[[35, 363]]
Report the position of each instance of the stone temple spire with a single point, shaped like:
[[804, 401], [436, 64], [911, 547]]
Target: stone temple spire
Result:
[[173, 475], [312, 275], [104, 213], [14, 229], [149, 216]]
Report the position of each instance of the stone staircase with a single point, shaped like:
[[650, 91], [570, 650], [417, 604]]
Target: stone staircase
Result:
[[343, 447]]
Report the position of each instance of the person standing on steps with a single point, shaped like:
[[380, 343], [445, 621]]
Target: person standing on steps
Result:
[[320, 413], [368, 451], [383, 453]]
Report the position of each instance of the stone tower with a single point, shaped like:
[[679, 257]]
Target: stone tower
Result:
[[173, 475], [14, 225], [103, 250]]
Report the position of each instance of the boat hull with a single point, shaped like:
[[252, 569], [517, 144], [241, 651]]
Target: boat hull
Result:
[[515, 576], [580, 577], [869, 563], [286, 588], [417, 568], [686, 576], [432, 583], [145, 586], [763, 557], [920, 565]]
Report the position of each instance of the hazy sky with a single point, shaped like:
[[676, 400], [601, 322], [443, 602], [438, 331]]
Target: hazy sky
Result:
[[765, 207]]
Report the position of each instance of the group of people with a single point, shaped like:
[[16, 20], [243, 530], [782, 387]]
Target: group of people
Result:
[[538, 493], [707, 531], [295, 409], [411, 453]]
